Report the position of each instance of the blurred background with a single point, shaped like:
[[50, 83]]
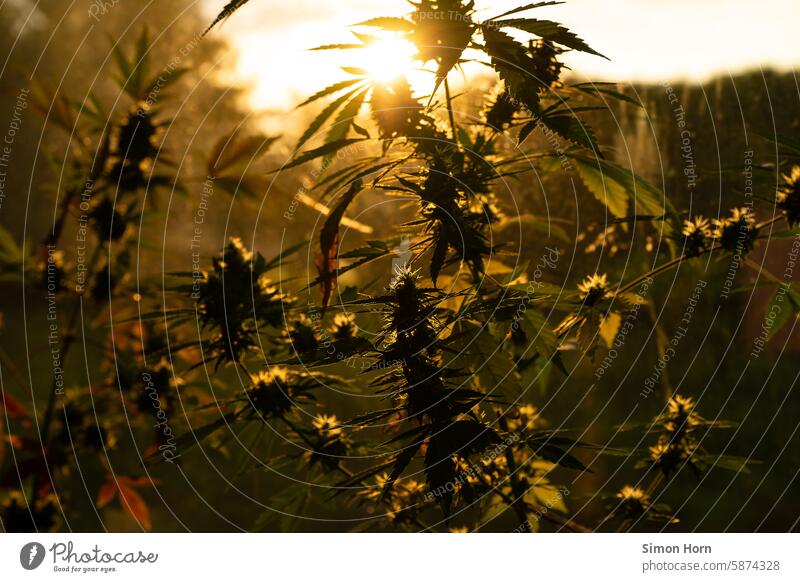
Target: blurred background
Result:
[[732, 67]]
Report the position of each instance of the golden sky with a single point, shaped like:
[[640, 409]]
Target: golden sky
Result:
[[646, 40]]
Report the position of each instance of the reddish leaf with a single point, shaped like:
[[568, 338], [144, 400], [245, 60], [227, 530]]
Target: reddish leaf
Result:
[[133, 503], [13, 407], [107, 492], [327, 260]]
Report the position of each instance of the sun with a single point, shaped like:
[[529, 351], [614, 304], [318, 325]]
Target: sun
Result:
[[388, 57]]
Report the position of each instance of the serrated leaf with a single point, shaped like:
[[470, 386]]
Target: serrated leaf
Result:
[[323, 116], [782, 310], [232, 149], [328, 148], [524, 9], [337, 47], [572, 128], [602, 89], [328, 258], [193, 438], [358, 71], [609, 327], [526, 130], [510, 60], [329, 90], [558, 456], [790, 146], [344, 120], [392, 24], [549, 30], [617, 187], [402, 460], [229, 9]]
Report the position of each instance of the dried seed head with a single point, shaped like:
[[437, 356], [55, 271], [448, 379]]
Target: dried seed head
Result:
[[108, 222], [788, 196], [736, 233], [633, 502], [133, 148], [594, 288], [327, 424], [302, 334], [330, 443], [670, 456], [697, 236], [680, 416], [344, 326], [271, 393]]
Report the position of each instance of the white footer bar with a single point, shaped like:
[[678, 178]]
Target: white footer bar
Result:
[[401, 557]]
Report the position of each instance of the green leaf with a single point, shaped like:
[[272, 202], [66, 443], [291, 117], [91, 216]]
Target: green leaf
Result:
[[331, 89], [617, 188], [557, 456], [572, 128], [458, 35], [540, 224], [163, 80], [358, 71], [549, 30], [360, 130], [323, 116], [524, 9], [229, 9], [328, 148], [141, 63], [602, 89], [10, 251], [790, 146], [526, 130], [232, 150], [782, 310], [189, 440], [610, 192], [336, 47], [793, 233], [402, 460], [511, 61], [728, 462], [344, 120], [375, 249], [278, 259], [540, 332], [392, 24]]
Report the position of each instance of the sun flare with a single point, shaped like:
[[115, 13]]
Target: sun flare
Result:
[[388, 57]]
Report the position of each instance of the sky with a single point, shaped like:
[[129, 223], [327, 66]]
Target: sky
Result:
[[646, 40]]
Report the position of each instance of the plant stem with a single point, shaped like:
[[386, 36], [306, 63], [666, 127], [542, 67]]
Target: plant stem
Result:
[[450, 110], [656, 271], [762, 271], [69, 337], [346, 472], [517, 487], [678, 260]]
